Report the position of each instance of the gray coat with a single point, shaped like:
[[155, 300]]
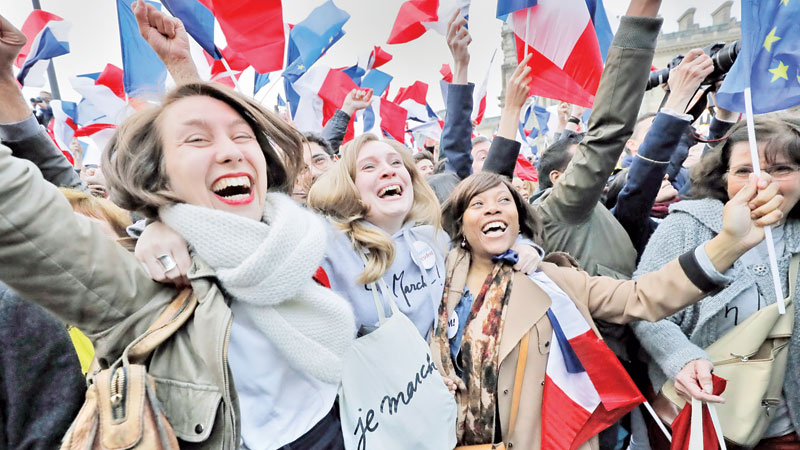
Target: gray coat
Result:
[[680, 338]]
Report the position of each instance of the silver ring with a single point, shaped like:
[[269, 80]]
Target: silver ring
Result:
[[166, 261]]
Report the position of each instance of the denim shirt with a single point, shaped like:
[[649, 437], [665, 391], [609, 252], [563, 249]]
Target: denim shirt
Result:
[[461, 311]]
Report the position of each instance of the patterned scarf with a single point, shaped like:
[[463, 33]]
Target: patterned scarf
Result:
[[477, 389]]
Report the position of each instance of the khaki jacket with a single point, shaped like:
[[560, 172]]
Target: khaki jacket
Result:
[[64, 262], [652, 297], [572, 219]]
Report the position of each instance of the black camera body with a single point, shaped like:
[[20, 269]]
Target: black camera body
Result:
[[37, 100], [723, 55]]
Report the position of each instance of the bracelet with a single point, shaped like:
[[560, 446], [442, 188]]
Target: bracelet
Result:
[[639, 155], [575, 120]]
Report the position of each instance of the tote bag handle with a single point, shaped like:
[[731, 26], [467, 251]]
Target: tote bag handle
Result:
[[696, 430]]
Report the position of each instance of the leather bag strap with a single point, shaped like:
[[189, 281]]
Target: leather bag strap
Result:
[[168, 322], [518, 376]]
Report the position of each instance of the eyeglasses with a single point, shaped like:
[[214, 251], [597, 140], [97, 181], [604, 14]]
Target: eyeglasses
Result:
[[778, 171]]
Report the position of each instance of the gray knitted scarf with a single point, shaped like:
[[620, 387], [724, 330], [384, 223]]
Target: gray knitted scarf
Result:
[[268, 266]]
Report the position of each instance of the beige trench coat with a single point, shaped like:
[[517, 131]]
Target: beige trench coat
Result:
[[652, 297]]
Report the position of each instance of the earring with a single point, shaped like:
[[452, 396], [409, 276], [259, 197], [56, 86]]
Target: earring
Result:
[[463, 242]]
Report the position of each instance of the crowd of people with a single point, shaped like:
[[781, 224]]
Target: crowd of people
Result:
[[298, 250]]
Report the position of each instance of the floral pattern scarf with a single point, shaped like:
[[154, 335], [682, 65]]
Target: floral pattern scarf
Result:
[[477, 388]]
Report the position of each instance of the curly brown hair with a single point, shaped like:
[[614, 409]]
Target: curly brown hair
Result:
[[779, 132], [133, 162], [530, 224]]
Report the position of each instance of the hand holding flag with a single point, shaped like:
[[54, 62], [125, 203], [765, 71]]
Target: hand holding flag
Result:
[[168, 38]]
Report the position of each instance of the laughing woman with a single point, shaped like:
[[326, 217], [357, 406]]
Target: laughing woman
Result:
[[489, 312], [258, 363]]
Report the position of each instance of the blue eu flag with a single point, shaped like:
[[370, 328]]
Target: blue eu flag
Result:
[[769, 61]]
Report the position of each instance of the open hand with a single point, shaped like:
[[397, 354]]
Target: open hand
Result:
[[458, 40], [518, 88]]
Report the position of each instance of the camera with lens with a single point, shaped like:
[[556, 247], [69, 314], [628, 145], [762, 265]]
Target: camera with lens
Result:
[[36, 100], [723, 55]]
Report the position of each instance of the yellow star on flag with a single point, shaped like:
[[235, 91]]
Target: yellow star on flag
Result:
[[330, 40], [300, 67], [770, 39], [785, 2], [779, 72]]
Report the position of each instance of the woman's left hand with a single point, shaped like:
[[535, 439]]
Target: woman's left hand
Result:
[[529, 258]]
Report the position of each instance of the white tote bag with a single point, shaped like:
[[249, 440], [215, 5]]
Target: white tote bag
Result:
[[392, 396]]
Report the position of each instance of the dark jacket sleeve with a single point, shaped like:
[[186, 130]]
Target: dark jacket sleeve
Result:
[[36, 146], [41, 385], [644, 178], [616, 106], [456, 143], [679, 155], [335, 129], [502, 156], [717, 129]]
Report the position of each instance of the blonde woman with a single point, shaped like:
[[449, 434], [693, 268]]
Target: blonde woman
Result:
[[379, 203]]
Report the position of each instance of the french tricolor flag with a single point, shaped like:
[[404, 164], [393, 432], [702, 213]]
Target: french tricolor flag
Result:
[[566, 63], [48, 37], [386, 119], [586, 388], [105, 91], [418, 16], [413, 99], [65, 122]]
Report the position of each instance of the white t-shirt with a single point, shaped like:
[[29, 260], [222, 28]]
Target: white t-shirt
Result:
[[277, 403]]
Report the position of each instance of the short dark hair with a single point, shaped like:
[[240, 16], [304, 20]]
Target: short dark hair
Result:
[[314, 138], [530, 225], [779, 132], [556, 157], [423, 154]]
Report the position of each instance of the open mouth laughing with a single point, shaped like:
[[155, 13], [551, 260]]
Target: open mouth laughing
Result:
[[494, 228], [391, 191], [234, 189]]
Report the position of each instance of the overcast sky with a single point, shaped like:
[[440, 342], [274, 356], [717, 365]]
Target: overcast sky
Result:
[[94, 39]]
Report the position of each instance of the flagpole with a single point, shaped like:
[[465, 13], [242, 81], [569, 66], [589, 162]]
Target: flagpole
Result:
[[51, 70], [773, 261], [274, 83], [527, 30], [232, 75]]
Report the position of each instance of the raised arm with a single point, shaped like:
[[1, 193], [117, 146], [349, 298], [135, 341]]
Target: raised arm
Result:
[[169, 39], [49, 254], [336, 128], [503, 153], [456, 143], [651, 161], [616, 106]]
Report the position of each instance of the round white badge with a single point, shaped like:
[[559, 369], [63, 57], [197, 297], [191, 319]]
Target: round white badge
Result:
[[452, 326], [425, 253]]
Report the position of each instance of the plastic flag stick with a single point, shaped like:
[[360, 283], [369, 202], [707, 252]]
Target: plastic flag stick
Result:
[[231, 74], [658, 420], [773, 261]]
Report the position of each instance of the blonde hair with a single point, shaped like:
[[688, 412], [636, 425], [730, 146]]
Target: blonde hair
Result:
[[98, 208], [133, 162], [335, 195]]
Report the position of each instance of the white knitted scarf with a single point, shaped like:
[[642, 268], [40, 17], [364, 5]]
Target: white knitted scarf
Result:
[[268, 266]]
